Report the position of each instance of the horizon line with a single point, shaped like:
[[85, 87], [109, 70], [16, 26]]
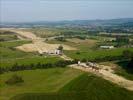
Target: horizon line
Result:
[[2, 22]]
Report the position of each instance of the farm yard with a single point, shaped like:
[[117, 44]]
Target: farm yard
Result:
[[49, 76]]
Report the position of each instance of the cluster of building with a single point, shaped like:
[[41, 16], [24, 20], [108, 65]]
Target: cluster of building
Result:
[[107, 47], [50, 52], [89, 65]]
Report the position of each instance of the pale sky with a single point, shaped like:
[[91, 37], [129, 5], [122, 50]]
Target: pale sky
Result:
[[53, 10]]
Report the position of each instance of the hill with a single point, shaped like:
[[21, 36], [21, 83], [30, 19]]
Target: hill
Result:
[[85, 87]]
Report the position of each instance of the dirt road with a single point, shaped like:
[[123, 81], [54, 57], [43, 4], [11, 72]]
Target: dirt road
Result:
[[38, 44], [108, 75]]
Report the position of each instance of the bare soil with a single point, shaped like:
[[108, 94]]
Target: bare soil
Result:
[[38, 44], [108, 75]]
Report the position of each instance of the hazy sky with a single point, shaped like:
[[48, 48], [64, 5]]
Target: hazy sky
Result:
[[52, 10]]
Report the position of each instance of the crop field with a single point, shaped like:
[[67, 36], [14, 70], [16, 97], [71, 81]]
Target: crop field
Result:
[[37, 81], [84, 87]]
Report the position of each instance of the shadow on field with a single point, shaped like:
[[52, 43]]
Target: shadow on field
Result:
[[126, 65], [84, 87]]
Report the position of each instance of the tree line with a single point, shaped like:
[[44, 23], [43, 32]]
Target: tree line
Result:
[[18, 67], [63, 63]]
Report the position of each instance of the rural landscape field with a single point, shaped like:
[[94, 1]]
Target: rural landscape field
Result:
[[65, 59]]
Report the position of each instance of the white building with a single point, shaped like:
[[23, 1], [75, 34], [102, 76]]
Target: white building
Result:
[[58, 52], [107, 47]]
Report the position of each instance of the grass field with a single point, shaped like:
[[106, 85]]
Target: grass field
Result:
[[37, 81], [84, 87], [9, 55], [92, 54], [28, 60], [7, 49], [86, 49], [8, 37]]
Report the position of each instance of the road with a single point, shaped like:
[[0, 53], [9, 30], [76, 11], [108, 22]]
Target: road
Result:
[[108, 75]]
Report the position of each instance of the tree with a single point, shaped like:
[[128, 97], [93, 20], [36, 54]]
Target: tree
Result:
[[127, 54], [130, 66], [60, 48], [14, 79], [60, 39], [121, 40]]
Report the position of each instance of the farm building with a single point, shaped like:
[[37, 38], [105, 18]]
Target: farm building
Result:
[[50, 52], [107, 47]]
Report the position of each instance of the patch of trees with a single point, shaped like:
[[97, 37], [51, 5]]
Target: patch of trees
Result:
[[130, 66], [62, 39], [121, 40], [102, 59], [81, 37], [17, 67], [8, 37], [70, 33], [127, 54], [6, 32], [76, 33], [14, 79], [117, 30]]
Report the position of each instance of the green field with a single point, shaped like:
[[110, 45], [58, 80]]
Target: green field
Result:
[[8, 37], [84, 87], [9, 55], [7, 50], [37, 81], [92, 54], [58, 83], [28, 60], [86, 49]]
